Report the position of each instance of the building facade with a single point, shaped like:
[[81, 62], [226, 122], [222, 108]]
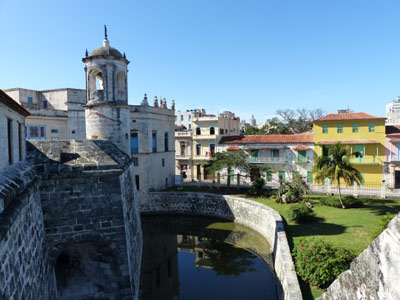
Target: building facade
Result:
[[393, 112], [362, 133], [152, 144], [392, 157], [195, 147], [55, 114], [12, 131], [280, 156]]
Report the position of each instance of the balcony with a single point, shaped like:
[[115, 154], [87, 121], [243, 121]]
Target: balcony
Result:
[[394, 158], [301, 160], [183, 134], [202, 157], [365, 160], [182, 157], [205, 137], [267, 160]]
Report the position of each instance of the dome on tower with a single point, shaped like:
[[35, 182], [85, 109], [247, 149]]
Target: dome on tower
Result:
[[106, 51]]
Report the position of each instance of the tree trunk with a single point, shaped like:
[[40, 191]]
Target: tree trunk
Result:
[[340, 194], [228, 184]]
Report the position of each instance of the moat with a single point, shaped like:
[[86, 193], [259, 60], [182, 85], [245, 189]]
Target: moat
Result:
[[186, 257]]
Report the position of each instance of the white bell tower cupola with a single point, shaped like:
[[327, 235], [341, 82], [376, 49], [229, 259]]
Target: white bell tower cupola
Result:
[[106, 110]]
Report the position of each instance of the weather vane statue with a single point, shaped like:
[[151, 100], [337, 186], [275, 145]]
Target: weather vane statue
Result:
[[105, 31]]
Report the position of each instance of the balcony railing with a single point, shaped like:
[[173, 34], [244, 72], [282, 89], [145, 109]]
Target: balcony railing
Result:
[[301, 160], [364, 160], [180, 156], [183, 133], [267, 160]]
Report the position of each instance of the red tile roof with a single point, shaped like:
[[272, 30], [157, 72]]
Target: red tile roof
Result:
[[269, 139], [301, 147], [349, 116], [351, 142], [233, 148], [11, 103]]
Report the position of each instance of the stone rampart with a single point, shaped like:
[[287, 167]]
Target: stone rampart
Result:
[[375, 273], [25, 271], [254, 215]]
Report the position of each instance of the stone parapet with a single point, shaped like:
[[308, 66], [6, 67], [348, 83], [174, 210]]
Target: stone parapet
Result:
[[375, 273], [256, 216]]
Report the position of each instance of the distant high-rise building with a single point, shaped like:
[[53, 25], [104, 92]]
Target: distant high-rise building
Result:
[[393, 112]]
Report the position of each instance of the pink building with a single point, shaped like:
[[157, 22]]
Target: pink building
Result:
[[392, 156]]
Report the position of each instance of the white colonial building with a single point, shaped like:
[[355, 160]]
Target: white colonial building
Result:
[[282, 155], [12, 131], [393, 112]]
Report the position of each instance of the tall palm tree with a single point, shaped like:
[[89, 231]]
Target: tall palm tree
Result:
[[337, 167]]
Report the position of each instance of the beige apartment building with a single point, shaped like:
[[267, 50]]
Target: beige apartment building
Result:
[[195, 147]]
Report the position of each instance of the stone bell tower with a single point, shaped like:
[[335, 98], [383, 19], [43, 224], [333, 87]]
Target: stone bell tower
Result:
[[107, 110]]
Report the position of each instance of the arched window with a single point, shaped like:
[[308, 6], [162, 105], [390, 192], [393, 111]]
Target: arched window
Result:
[[95, 80], [198, 131], [121, 81], [212, 130]]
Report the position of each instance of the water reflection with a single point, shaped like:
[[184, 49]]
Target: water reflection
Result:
[[203, 258]]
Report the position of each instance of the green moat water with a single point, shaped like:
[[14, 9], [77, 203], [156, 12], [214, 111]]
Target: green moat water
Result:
[[186, 257]]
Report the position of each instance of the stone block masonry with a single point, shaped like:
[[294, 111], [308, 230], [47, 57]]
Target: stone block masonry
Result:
[[25, 271], [254, 215]]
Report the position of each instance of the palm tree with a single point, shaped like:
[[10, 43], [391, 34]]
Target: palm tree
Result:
[[337, 167], [228, 160]]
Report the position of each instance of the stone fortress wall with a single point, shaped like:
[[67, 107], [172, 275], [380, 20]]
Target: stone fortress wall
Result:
[[70, 217], [374, 274], [254, 215]]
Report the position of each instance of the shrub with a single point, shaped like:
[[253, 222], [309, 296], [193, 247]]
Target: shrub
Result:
[[320, 263], [300, 213], [294, 190], [348, 201], [257, 187], [382, 224]]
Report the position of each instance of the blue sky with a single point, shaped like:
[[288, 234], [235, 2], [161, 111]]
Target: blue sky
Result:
[[250, 57]]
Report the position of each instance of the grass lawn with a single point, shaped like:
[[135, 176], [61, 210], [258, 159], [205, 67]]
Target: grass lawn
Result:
[[352, 228]]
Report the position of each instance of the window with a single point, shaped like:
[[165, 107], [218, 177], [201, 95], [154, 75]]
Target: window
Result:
[[355, 127], [44, 103], [163, 162], [198, 131], [302, 156], [54, 131], [226, 131], [183, 148], [181, 117], [325, 181], [9, 139], [190, 126], [30, 100], [166, 142], [212, 130], [154, 141], [212, 149], [371, 127], [36, 132], [325, 128], [339, 128], [137, 182], [275, 152], [198, 149], [309, 177], [221, 131], [190, 117], [269, 176], [20, 134], [136, 161], [359, 151], [134, 143], [54, 138], [282, 176]]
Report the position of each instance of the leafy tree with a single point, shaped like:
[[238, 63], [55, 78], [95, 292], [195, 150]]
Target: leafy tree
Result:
[[337, 167], [252, 130], [228, 160], [291, 121], [295, 190]]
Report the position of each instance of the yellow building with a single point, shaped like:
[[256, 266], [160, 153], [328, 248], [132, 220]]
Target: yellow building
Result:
[[362, 133]]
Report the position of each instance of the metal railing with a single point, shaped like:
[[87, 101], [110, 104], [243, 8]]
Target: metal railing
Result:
[[183, 133], [267, 159], [301, 160], [364, 160]]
